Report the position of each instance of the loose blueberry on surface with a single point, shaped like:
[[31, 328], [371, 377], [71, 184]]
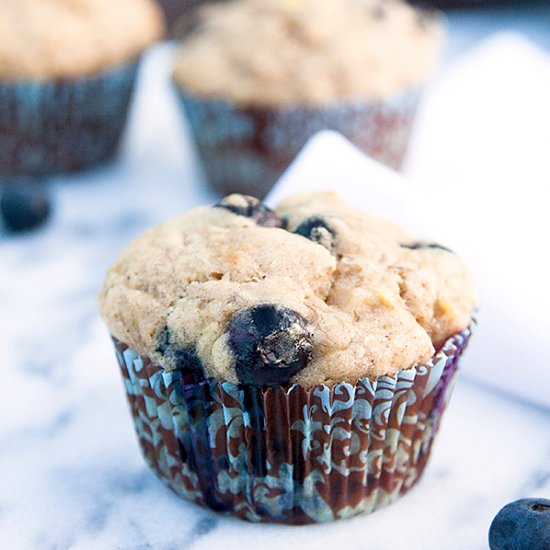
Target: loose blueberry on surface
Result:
[[250, 207], [318, 230], [270, 344], [425, 246], [24, 206], [522, 525]]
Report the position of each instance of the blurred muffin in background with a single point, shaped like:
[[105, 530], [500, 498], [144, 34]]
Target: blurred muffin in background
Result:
[[258, 78], [67, 69]]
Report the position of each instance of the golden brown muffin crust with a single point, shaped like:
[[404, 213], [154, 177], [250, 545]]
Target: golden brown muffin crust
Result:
[[375, 300]]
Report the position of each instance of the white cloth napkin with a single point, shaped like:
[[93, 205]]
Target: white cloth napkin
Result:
[[480, 174]]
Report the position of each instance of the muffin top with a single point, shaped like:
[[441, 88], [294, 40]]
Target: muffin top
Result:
[[43, 39], [309, 52], [312, 292]]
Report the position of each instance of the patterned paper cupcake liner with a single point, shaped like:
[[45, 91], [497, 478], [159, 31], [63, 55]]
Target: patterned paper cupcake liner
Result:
[[60, 126], [286, 454], [245, 150]]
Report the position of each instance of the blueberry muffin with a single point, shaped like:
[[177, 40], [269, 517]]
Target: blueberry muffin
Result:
[[257, 79], [67, 69], [293, 351]]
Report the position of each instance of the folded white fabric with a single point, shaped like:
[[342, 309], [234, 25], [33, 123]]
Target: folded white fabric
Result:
[[511, 349], [482, 152]]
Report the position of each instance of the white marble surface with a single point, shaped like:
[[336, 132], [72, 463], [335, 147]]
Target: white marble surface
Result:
[[71, 475]]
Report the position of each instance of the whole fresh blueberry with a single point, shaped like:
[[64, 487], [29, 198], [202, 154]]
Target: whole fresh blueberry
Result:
[[425, 246], [24, 206], [175, 356], [270, 344], [522, 525], [318, 230], [250, 207]]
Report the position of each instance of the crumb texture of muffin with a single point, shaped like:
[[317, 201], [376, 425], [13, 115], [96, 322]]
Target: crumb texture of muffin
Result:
[[311, 52], [45, 39], [312, 292]]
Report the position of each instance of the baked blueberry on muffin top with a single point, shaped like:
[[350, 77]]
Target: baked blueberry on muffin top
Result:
[[311, 292]]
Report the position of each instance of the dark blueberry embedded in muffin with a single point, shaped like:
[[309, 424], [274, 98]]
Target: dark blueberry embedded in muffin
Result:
[[24, 206], [425, 246], [270, 344], [177, 357], [164, 341], [250, 207], [318, 230], [522, 525]]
